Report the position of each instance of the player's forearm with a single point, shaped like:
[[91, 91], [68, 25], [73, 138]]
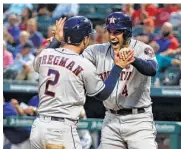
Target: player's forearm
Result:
[[54, 44], [110, 83], [145, 67]]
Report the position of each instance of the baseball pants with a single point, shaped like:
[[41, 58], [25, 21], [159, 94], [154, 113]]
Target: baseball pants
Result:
[[133, 131], [50, 134]]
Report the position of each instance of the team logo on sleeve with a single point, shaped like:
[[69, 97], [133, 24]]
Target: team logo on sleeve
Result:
[[149, 52]]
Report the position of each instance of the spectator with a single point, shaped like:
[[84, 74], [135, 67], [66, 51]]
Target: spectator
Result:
[[17, 136], [35, 36], [24, 38], [167, 41], [43, 19], [25, 16], [146, 10], [49, 32], [18, 8], [163, 14], [14, 102], [175, 17], [51, 8], [164, 61], [45, 42], [7, 57], [28, 72], [128, 9], [9, 40], [7, 36], [67, 10], [21, 59], [101, 35], [148, 31], [30, 108], [13, 29]]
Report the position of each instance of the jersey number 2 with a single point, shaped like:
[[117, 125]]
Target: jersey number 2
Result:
[[125, 91], [51, 82]]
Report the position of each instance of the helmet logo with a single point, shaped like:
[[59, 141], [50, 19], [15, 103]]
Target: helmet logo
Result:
[[112, 20]]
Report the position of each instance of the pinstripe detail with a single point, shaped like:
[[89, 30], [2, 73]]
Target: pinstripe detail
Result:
[[72, 137], [135, 43]]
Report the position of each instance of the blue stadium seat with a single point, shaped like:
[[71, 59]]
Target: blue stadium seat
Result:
[[137, 30], [157, 30]]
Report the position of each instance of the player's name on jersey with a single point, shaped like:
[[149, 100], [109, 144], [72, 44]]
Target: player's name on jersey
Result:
[[60, 61], [124, 75]]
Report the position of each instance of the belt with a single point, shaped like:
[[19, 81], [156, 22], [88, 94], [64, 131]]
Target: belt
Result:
[[127, 111], [61, 119]]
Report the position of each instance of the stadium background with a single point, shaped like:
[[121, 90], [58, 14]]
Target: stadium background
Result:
[[21, 34]]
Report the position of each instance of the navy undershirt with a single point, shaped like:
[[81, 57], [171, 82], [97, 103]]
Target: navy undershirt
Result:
[[145, 67], [110, 83]]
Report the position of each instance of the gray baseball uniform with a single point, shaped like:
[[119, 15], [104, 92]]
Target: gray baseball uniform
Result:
[[133, 131], [64, 76]]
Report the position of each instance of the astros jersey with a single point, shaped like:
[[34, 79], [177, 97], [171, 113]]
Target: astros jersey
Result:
[[64, 76], [133, 88]]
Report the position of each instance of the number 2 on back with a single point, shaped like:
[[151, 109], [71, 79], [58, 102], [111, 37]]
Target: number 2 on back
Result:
[[51, 82], [125, 91]]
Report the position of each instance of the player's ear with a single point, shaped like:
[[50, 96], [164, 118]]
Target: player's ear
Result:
[[87, 39], [85, 42]]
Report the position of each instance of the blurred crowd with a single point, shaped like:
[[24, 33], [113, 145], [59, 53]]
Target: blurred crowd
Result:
[[27, 27]]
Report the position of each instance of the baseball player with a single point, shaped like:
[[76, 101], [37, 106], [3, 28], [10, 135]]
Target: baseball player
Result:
[[128, 123], [64, 78]]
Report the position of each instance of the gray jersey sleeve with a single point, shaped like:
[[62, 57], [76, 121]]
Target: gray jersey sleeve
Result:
[[89, 54], [36, 63], [92, 82], [147, 53]]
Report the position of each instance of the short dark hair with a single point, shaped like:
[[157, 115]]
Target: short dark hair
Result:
[[27, 45]]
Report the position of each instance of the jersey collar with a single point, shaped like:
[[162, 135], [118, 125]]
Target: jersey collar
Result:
[[67, 51]]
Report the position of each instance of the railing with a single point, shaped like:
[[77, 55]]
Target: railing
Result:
[[171, 128], [29, 87]]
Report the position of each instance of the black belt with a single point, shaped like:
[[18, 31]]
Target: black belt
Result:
[[127, 111]]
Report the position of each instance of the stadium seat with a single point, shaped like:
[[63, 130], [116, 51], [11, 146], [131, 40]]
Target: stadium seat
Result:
[[172, 76], [157, 30], [137, 30]]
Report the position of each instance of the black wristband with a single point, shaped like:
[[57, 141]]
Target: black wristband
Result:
[[54, 44]]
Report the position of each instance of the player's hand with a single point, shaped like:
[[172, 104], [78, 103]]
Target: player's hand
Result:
[[29, 110], [124, 58], [58, 33], [124, 53]]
